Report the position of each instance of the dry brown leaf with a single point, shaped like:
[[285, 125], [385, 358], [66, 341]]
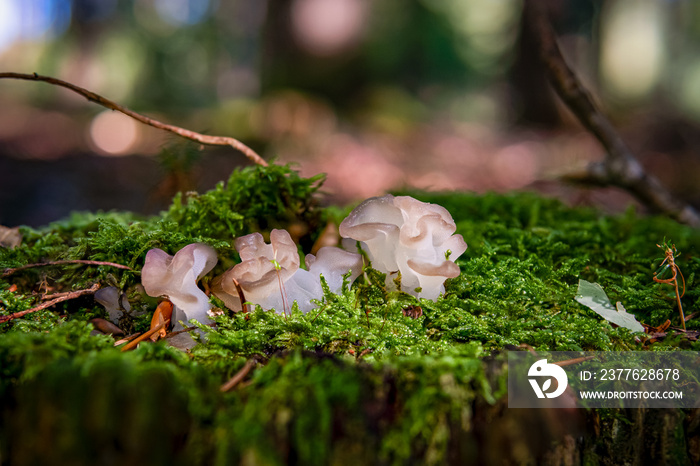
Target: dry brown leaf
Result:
[[10, 237], [163, 313], [413, 312], [106, 326]]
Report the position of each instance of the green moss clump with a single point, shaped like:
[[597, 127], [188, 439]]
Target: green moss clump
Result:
[[85, 402], [254, 199], [364, 377]]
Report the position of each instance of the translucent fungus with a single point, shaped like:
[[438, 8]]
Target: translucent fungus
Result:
[[269, 274], [176, 277], [406, 236]]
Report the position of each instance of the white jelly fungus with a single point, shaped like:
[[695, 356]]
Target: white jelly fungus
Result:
[[114, 302], [176, 277], [410, 237], [269, 274]]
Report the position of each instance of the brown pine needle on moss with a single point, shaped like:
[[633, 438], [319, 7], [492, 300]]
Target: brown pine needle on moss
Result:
[[571, 362], [669, 263]]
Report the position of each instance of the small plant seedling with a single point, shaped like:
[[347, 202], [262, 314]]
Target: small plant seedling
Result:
[[669, 266]]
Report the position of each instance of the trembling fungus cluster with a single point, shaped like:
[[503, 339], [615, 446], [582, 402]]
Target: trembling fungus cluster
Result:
[[400, 235]]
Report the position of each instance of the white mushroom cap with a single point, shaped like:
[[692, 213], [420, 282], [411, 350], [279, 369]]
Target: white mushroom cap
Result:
[[176, 277], [224, 288], [257, 274], [402, 234], [264, 284], [333, 263], [376, 222]]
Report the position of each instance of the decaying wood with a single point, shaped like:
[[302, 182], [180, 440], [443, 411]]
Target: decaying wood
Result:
[[620, 167], [182, 132], [47, 304]]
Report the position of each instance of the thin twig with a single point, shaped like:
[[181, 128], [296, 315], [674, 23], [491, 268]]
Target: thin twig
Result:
[[71, 295], [126, 339], [620, 166], [47, 297], [570, 362], [184, 330], [240, 375], [185, 133], [9, 272], [670, 262]]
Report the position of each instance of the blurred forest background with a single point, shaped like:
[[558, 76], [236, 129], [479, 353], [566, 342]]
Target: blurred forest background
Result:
[[381, 94]]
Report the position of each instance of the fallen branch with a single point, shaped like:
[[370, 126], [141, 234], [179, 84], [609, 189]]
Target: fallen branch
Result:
[[240, 375], [620, 167], [9, 272], [66, 297], [182, 132]]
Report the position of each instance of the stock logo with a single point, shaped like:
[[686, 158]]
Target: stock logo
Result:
[[541, 369]]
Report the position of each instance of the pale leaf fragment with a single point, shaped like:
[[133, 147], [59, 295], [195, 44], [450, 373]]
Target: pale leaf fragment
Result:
[[592, 296], [10, 237]]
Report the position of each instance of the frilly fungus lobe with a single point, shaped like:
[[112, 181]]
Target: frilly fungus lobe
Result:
[[269, 274], [402, 234], [176, 277], [114, 301]]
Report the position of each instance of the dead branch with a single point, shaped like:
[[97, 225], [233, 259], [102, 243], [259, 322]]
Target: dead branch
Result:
[[66, 297], [620, 167], [182, 132], [9, 272], [240, 375]]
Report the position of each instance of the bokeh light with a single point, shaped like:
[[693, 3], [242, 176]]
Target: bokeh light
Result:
[[182, 12], [27, 20], [326, 27], [113, 133], [633, 48]]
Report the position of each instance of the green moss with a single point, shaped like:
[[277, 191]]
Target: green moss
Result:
[[253, 199], [354, 379]]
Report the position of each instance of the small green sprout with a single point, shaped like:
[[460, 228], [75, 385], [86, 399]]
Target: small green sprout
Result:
[[277, 265], [283, 292]]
